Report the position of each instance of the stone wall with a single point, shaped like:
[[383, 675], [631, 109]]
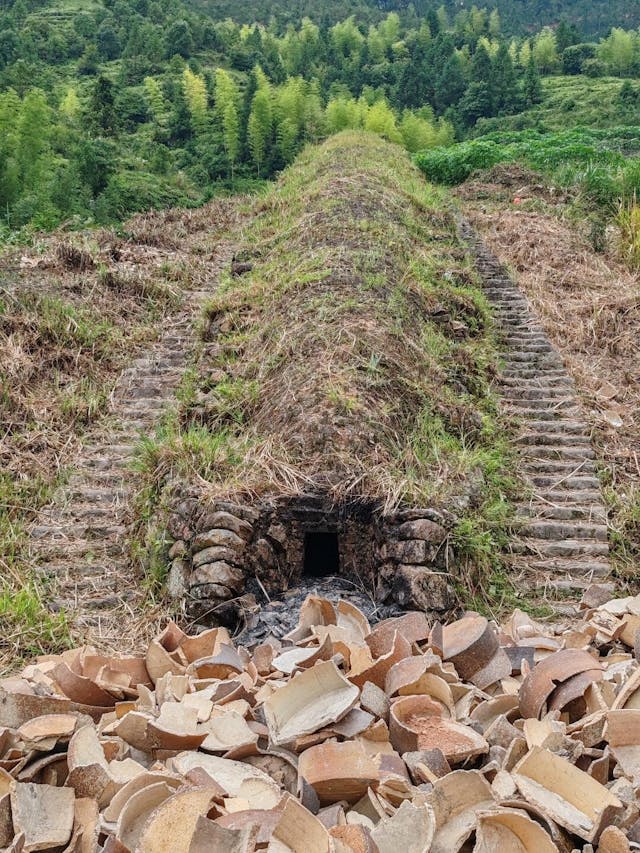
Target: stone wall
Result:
[[224, 551]]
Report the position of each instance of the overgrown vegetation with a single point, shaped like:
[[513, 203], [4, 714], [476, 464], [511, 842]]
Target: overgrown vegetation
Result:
[[70, 318], [600, 169], [107, 108], [353, 357]]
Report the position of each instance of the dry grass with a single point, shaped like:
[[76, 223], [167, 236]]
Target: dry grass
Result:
[[354, 356], [74, 310], [589, 304]]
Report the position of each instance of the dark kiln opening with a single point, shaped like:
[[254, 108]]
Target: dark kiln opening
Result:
[[321, 554], [292, 543]]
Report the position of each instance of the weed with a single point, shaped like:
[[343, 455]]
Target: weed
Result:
[[29, 628], [628, 221], [28, 625], [624, 532]]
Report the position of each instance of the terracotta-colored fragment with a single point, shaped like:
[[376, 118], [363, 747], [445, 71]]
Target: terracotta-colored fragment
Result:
[[548, 674], [338, 771]]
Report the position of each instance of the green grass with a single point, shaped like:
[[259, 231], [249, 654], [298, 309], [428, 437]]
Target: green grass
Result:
[[28, 626], [63, 347], [624, 533], [64, 325]]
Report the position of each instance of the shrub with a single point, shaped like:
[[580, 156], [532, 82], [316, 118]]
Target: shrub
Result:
[[129, 192], [453, 165], [599, 186]]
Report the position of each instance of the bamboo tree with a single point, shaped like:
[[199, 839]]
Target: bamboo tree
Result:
[[195, 92], [259, 127], [227, 113]]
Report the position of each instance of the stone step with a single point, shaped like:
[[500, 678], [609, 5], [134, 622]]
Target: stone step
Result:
[[72, 568], [533, 441], [48, 550], [113, 477], [591, 512], [530, 347], [103, 464], [527, 415], [97, 530], [566, 425], [525, 359], [544, 391], [142, 392], [524, 372], [544, 404], [562, 497], [562, 548], [562, 452], [147, 406], [511, 334], [558, 530], [161, 363], [572, 567], [536, 378], [97, 497], [502, 298], [534, 466], [72, 511], [578, 483]]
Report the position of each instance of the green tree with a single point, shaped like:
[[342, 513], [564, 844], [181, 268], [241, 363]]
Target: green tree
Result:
[[85, 25], [342, 114], [101, 112], [507, 91], [70, 107], [483, 94], [227, 113], [195, 93], [96, 161], [545, 51], [156, 101], [179, 40], [107, 41], [618, 51], [477, 102], [9, 46], [566, 35], [346, 39], [34, 130], [419, 134], [574, 57], [314, 120], [532, 84], [381, 119], [89, 62], [495, 24], [10, 107], [451, 85], [259, 127]]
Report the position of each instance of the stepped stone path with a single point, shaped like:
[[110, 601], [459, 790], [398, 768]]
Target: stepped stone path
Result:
[[81, 541], [562, 532]]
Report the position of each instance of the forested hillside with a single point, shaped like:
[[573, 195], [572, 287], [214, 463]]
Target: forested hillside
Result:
[[110, 107], [594, 17]]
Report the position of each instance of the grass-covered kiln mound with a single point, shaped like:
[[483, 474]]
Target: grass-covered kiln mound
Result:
[[346, 356]]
